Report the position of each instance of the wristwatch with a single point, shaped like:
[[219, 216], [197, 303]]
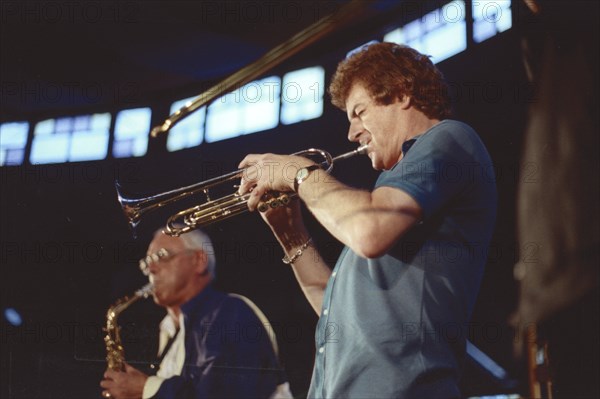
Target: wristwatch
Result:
[[303, 174]]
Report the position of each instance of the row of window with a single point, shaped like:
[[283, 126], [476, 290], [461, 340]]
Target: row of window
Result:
[[260, 105], [442, 33], [257, 106]]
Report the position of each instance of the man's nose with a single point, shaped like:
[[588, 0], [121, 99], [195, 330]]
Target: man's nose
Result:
[[153, 267], [354, 131]]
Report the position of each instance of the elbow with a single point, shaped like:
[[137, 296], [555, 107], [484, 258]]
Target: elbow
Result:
[[370, 243], [369, 251], [372, 239]]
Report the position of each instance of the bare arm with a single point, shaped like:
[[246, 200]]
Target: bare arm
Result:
[[367, 222], [312, 274], [311, 271]]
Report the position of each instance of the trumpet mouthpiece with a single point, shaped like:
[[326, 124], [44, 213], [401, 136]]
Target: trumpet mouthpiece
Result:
[[362, 150]]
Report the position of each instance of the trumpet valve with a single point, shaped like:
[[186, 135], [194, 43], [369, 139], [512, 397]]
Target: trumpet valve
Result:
[[273, 200], [284, 199]]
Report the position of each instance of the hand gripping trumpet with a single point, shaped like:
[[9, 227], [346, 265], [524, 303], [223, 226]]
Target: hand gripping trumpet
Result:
[[214, 210]]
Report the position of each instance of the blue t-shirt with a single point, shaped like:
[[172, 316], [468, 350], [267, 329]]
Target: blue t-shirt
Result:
[[396, 326]]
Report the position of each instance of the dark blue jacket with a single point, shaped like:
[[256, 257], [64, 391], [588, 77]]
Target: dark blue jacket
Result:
[[228, 352]]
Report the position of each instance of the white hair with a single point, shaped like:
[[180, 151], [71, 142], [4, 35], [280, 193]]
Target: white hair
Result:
[[199, 240]]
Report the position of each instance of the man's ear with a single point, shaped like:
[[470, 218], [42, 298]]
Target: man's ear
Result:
[[201, 260], [404, 102]]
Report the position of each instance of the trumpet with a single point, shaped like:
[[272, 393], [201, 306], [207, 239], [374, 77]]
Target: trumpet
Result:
[[214, 210]]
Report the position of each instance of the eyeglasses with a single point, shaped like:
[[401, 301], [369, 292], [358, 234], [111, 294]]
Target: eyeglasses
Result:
[[162, 255]]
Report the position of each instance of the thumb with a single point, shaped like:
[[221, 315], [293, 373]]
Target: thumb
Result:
[[132, 370], [128, 367]]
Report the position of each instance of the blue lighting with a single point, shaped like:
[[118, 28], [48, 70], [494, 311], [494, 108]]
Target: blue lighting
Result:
[[131, 132], [440, 34], [302, 95], [13, 317], [13, 139], [252, 108], [190, 131], [80, 138], [490, 18]]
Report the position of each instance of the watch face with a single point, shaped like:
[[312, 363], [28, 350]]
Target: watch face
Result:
[[302, 174]]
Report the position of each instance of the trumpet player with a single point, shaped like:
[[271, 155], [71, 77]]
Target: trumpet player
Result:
[[201, 355], [394, 309]]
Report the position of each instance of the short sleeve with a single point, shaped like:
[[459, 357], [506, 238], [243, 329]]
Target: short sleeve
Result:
[[441, 164]]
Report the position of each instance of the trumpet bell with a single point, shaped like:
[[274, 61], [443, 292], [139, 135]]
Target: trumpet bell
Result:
[[132, 208]]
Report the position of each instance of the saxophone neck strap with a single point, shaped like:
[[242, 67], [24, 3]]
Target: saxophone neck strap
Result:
[[166, 349]]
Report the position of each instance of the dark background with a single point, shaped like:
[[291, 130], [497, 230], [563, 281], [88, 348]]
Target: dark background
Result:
[[66, 250]]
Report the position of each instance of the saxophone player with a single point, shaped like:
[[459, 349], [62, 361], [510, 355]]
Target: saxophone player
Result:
[[199, 356]]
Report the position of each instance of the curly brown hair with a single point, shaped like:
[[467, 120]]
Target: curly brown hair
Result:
[[389, 72]]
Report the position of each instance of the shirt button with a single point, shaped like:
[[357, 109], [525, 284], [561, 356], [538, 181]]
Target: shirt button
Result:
[[333, 274], [321, 349], [325, 312]]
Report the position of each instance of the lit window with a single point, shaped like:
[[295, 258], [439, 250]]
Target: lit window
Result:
[[13, 139], [249, 109], [80, 138], [302, 95], [440, 34], [490, 18], [131, 132], [189, 131], [89, 139]]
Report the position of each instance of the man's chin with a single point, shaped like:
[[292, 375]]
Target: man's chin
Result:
[[158, 299], [376, 165]]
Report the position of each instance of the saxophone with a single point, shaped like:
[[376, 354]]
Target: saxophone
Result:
[[115, 353]]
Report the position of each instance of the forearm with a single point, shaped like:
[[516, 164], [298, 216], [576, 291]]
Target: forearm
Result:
[[312, 274], [342, 210], [310, 270]]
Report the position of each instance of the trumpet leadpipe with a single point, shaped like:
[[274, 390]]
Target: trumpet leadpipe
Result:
[[359, 151]]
